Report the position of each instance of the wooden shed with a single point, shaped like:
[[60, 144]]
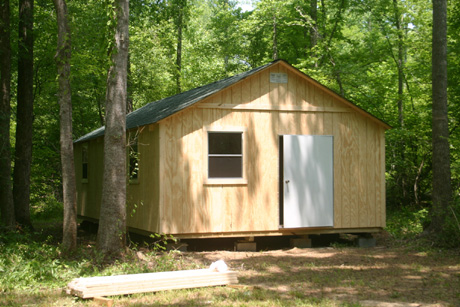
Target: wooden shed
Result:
[[266, 152]]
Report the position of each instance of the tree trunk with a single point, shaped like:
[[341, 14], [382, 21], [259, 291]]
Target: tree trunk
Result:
[[129, 99], [6, 193], [339, 82], [400, 63], [314, 29], [400, 66], [275, 39], [24, 118], [100, 111], [442, 189], [180, 19], [63, 55], [338, 19], [112, 223]]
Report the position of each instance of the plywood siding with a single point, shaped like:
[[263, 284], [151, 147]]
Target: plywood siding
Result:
[[266, 110], [172, 194], [143, 194], [82, 189], [211, 208], [89, 191]]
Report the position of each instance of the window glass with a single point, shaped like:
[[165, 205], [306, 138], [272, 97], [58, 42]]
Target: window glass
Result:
[[224, 143], [133, 157], [84, 161], [225, 167], [225, 155]]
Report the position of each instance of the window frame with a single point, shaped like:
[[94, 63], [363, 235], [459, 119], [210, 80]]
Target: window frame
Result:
[[231, 180]]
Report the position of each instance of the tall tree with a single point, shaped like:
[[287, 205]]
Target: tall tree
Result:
[[112, 223], [63, 55], [442, 188], [23, 148], [226, 34], [399, 61], [180, 7], [6, 194], [313, 29], [275, 35]]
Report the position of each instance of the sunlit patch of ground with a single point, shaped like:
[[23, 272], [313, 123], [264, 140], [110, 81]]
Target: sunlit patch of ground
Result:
[[352, 274], [329, 276]]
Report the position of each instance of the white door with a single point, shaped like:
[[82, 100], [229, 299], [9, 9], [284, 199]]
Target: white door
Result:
[[308, 181]]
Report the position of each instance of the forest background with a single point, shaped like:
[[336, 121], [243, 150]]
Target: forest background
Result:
[[376, 53]]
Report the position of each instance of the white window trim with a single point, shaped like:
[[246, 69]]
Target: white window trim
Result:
[[224, 181]]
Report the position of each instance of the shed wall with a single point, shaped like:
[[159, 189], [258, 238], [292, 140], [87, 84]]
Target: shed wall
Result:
[[172, 196], [267, 110], [142, 194], [89, 191]]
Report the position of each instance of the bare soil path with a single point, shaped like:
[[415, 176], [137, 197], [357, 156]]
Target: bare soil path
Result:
[[377, 276]]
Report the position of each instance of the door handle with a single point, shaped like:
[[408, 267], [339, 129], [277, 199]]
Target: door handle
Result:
[[287, 181]]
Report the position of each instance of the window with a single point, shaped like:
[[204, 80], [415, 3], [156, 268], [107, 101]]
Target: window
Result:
[[225, 154], [84, 162], [133, 160]]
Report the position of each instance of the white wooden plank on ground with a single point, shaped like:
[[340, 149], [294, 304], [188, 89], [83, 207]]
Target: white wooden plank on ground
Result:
[[150, 282]]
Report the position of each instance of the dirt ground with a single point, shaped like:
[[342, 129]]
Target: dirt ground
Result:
[[378, 276], [332, 273], [334, 270]]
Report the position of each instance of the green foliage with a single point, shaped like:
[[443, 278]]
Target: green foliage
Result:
[[160, 241], [406, 223], [32, 261], [150, 80], [454, 91], [450, 235], [47, 209], [25, 264], [356, 55]]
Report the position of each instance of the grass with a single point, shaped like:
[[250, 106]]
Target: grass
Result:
[[33, 272]]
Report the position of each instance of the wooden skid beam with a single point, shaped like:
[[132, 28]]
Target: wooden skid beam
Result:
[[150, 282]]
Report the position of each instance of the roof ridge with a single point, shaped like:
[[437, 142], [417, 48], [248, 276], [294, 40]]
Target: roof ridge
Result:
[[162, 108]]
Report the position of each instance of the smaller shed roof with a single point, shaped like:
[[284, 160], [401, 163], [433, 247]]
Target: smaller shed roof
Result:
[[158, 110]]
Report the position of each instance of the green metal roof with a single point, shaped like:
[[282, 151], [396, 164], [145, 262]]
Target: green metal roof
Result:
[[158, 110]]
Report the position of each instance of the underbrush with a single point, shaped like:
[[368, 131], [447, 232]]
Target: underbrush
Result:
[[32, 261], [406, 223], [26, 264], [408, 226], [33, 270]]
